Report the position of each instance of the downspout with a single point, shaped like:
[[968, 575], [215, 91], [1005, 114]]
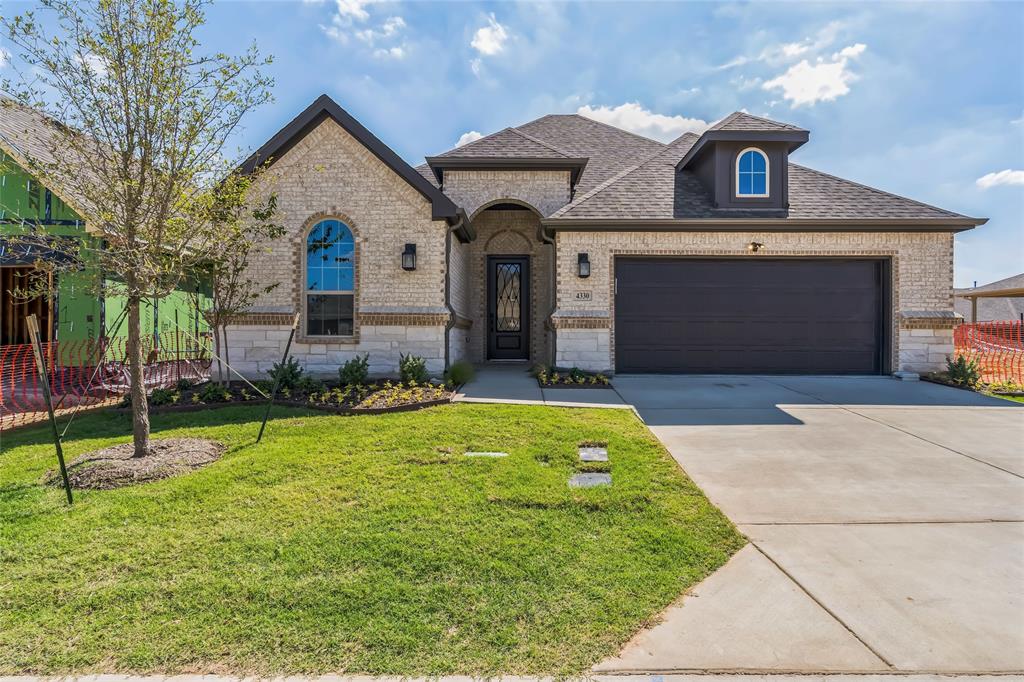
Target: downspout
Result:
[[543, 237], [450, 324]]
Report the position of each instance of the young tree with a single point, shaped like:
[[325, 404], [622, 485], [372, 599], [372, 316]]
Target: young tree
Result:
[[144, 118], [228, 272]]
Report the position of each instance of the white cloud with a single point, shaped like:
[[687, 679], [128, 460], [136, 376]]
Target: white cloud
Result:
[[391, 27], [352, 9], [395, 52], [1003, 177], [822, 81], [786, 52], [490, 40], [466, 138], [634, 118], [349, 13]]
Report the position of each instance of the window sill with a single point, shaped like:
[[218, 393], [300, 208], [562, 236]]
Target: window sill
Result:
[[328, 340]]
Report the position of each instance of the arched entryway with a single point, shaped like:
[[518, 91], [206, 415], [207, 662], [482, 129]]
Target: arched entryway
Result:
[[511, 295]]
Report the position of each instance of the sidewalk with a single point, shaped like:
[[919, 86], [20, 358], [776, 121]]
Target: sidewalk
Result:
[[512, 383]]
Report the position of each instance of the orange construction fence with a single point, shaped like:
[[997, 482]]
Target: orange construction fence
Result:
[[93, 372], [997, 347]]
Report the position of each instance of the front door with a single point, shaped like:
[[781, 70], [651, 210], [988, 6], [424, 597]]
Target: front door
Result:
[[508, 307]]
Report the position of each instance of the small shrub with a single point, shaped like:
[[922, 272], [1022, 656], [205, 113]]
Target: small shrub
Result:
[[163, 396], [355, 371], [308, 384], [461, 373], [963, 372], [287, 374], [214, 393], [185, 384], [576, 374], [412, 369]]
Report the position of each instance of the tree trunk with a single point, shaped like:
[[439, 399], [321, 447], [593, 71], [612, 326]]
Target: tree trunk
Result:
[[216, 352], [140, 409], [227, 358]]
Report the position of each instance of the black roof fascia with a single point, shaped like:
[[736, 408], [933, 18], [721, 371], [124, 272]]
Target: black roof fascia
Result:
[[795, 138], [324, 107], [574, 165]]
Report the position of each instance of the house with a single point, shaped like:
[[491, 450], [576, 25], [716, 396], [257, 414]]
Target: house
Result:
[[1000, 301], [33, 220], [572, 242]]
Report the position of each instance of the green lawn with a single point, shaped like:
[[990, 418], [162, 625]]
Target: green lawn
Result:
[[351, 544]]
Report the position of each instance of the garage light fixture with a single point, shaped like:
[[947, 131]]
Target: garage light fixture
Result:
[[409, 257], [583, 260], [754, 247]]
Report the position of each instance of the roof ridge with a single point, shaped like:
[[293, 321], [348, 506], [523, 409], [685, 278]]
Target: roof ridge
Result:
[[721, 122], [951, 214], [531, 138], [618, 176], [479, 139], [597, 190], [609, 125], [737, 114], [772, 120]]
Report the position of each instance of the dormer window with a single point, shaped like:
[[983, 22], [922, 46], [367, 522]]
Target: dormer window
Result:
[[752, 173]]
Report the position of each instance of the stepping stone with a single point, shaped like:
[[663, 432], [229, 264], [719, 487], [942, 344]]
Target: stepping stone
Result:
[[486, 454], [590, 480], [594, 454]]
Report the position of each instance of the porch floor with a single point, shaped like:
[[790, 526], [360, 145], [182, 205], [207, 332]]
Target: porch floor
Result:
[[512, 383]]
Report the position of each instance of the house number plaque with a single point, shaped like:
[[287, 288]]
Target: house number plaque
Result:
[[582, 296]]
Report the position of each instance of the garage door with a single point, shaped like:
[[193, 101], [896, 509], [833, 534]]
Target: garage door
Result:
[[750, 315]]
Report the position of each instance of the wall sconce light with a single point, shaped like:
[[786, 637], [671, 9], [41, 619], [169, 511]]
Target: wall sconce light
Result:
[[409, 257], [583, 261], [754, 247]]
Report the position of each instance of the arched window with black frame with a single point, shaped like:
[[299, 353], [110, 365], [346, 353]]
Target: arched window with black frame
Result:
[[329, 297]]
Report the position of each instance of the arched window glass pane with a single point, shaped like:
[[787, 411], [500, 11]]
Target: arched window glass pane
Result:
[[330, 273], [752, 174]]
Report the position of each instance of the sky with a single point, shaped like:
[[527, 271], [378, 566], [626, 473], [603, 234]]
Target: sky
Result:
[[925, 100]]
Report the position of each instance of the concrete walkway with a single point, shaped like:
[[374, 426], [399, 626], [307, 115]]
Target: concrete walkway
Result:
[[886, 522], [512, 383]]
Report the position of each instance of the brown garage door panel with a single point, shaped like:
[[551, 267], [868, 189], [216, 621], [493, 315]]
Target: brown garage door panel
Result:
[[815, 316]]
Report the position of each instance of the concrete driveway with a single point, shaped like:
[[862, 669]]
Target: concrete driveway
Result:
[[886, 522]]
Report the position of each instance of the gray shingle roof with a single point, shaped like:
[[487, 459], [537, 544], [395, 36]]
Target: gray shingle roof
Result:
[[654, 190], [631, 177], [506, 144], [993, 309], [742, 121], [813, 194], [646, 189], [609, 150]]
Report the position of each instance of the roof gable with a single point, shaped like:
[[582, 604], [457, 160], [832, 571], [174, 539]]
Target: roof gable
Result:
[[325, 107], [507, 143], [742, 121]]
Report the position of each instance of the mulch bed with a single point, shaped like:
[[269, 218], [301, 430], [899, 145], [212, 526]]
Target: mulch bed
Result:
[[574, 385], [115, 467], [374, 398], [553, 377], [943, 381]]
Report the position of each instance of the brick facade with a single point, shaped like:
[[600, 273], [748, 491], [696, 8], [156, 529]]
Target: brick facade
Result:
[[329, 174], [545, 190]]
